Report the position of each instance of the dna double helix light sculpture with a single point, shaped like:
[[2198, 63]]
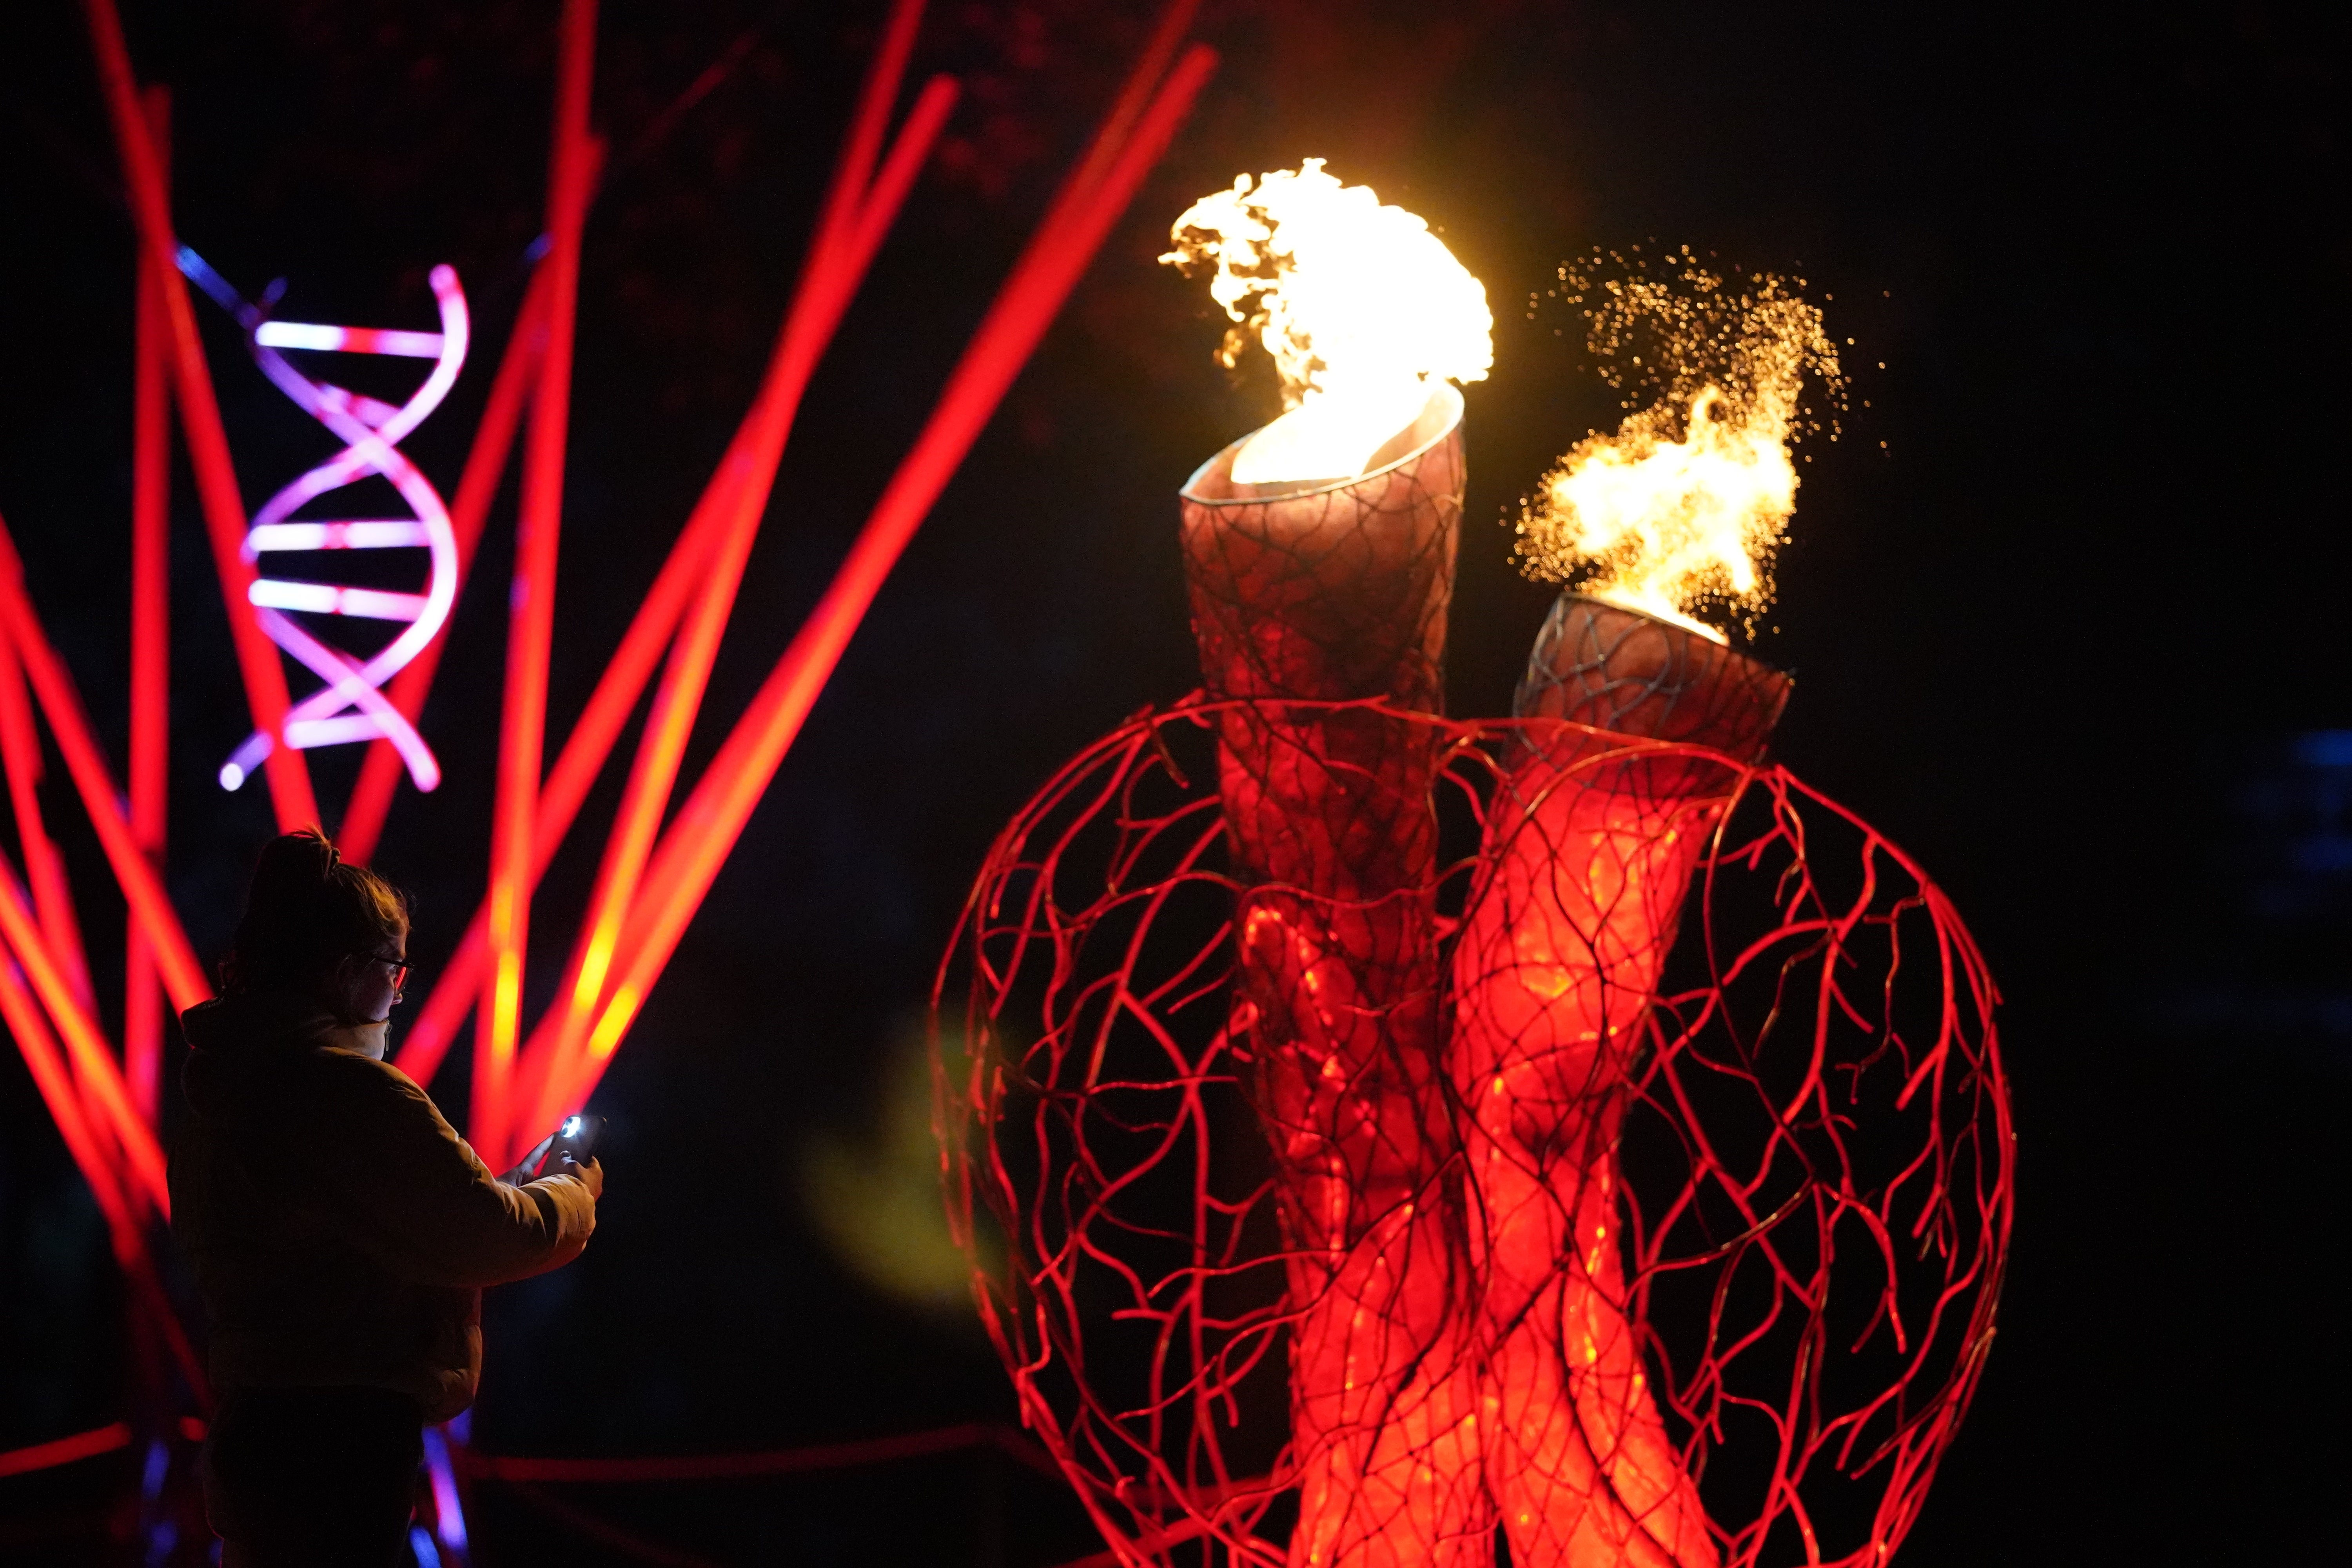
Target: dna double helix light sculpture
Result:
[[659, 863], [351, 706]]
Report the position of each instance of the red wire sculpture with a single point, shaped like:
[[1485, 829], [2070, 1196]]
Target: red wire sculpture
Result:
[[1343, 1198]]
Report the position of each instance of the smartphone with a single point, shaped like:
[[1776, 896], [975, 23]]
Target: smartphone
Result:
[[577, 1137]]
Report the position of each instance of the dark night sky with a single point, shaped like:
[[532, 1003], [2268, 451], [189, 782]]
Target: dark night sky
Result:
[[2057, 638]]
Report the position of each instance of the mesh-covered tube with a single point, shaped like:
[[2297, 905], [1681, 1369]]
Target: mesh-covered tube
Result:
[[1591, 850], [1330, 594]]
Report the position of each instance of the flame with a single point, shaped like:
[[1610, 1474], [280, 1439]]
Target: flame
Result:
[[1686, 504], [1359, 304], [1673, 523]]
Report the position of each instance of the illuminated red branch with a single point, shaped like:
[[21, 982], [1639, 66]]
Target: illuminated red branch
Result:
[[707, 827], [91, 1150], [208, 455], [850, 228], [1146, 84], [151, 646], [57, 1451], [485, 461], [853, 189], [141, 883], [523, 714]]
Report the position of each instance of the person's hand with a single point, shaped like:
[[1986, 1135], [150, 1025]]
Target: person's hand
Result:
[[522, 1174], [591, 1176]]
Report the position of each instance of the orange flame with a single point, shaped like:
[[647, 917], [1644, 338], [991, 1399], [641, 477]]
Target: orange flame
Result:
[[1685, 505], [1359, 305]]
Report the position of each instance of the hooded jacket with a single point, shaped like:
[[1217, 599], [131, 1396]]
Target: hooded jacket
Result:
[[340, 1231]]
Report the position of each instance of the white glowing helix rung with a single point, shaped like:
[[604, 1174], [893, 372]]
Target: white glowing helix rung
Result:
[[371, 535], [349, 706], [326, 599], [348, 340]]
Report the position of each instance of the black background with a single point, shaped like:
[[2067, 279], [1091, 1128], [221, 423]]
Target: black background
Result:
[[2059, 603]]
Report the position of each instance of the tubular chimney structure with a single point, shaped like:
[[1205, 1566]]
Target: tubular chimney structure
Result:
[[1592, 843], [1334, 594]]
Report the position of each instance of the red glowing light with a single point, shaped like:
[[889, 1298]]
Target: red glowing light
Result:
[[653, 882], [1438, 1199], [207, 441], [1811, 1114]]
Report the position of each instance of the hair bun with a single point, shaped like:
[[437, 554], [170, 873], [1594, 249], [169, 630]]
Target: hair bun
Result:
[[306, 910], [304, 852]]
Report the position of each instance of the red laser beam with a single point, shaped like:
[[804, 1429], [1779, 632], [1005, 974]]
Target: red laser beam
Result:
[[208, 440], [459, 989], [708, 825], [138, 878], [44, 870], [486, 460], [65, 1450], [151, 644], [660, 878], [651, 629], [531, 632], [114, 1151], [858, 212], [583, 755], [94, 1067]]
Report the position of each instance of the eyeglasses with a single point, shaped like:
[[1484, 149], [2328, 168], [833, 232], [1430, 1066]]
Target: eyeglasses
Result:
[[399, 967]]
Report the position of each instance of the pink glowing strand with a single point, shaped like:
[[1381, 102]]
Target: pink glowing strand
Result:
[[326, 599], [374, 709], [355, 535], [372, 431]]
